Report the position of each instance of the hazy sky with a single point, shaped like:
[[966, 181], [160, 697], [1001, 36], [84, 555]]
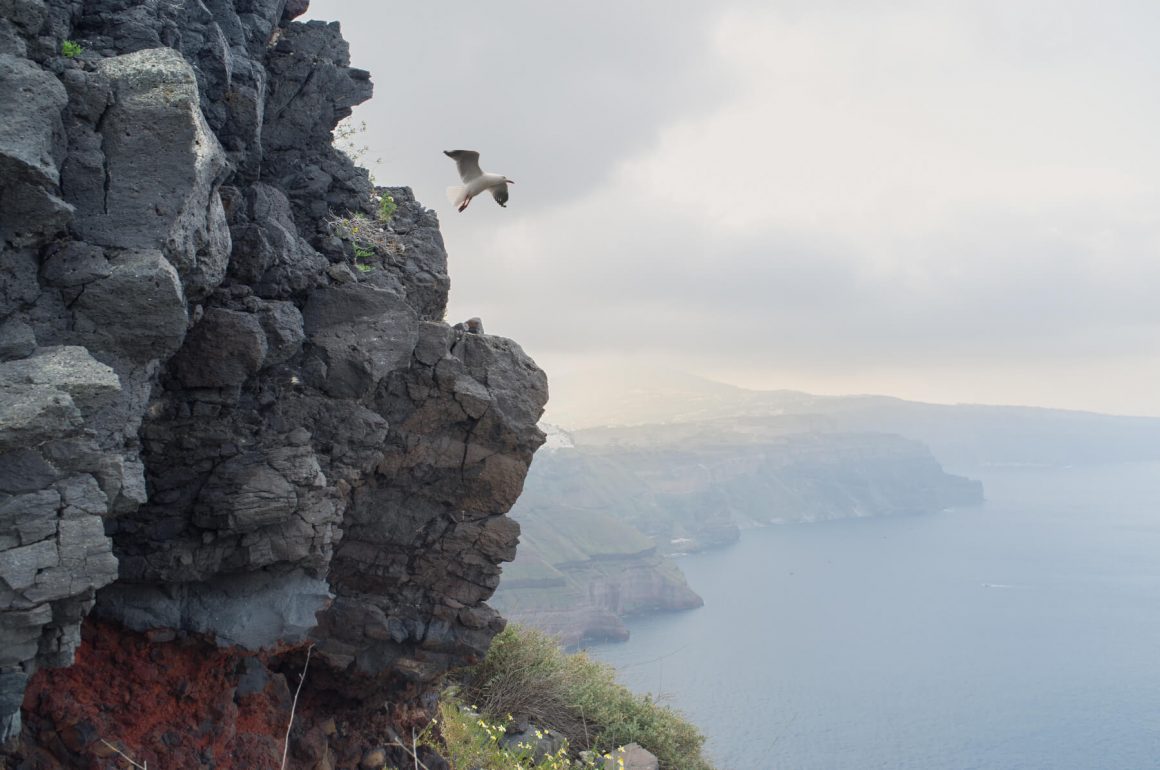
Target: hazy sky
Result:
[[948, 201]]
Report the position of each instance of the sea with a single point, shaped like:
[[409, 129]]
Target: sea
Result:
[[1023, 633]]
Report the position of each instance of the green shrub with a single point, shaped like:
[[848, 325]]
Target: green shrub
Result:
[[71, 49], [387, 208], [525, 674]]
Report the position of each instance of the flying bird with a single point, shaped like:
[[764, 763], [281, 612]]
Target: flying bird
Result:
[[475, 180]]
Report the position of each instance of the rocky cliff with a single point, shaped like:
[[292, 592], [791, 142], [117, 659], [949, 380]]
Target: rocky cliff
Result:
[[223, 442], [581, 568], [602, 509]]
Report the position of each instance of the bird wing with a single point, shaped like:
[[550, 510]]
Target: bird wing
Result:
[[467, 161]]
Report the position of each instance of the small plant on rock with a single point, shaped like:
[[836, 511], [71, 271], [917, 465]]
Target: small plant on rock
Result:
[[346, 138], [71, 49], [387, 208], [359, 256], [370, 238]]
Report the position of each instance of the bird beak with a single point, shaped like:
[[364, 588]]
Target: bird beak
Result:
[[510, 181]]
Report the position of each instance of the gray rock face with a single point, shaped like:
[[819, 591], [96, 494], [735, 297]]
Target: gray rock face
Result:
[[280, 447], [311, 88], [31, 145], [357, 334], [225, 348], [30, 136], [419, 259], [170, 203], [17, 339], [269, 254], [422, 542], [246, 611], [136, 311], [53, 550], [49, 393]]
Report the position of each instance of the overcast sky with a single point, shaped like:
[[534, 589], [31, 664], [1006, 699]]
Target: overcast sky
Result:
[[946, 201]]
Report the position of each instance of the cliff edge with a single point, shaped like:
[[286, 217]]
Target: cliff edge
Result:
[[223, 442]]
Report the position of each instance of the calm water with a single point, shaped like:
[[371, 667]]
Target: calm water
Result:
[[1022, 634]]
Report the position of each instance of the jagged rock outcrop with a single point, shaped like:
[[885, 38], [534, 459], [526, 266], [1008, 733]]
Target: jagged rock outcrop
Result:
[[216, 434]]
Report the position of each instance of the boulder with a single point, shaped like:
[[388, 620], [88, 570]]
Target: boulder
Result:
[[68, 368], [532, 741], [17, 339], [31, 145], [283, 325], [631, 757], [137, 311], [225, 348], [74, 263], [357, 334], [30, 137], [171, 203]]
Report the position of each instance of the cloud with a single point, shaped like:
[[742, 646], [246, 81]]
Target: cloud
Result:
[[943, 194], [545, 92]]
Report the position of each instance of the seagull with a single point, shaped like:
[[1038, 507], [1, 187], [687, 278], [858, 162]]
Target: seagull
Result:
[[475, 180]]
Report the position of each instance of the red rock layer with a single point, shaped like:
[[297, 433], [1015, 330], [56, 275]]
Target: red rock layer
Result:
[[186, 703]]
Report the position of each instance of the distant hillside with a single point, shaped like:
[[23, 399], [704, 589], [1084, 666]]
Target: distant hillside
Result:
[[598, 512], [698, 483], [964, 435]]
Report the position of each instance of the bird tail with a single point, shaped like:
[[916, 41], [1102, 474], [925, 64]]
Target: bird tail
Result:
[[457, 194]]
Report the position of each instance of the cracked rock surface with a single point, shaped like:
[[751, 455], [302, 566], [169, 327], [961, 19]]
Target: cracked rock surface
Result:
[[217, 431]]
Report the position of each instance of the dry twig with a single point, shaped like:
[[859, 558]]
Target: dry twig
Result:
[[413, 750], [144, 765], [294, 705]]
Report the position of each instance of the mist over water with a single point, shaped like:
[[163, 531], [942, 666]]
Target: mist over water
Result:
[[1021, 634]]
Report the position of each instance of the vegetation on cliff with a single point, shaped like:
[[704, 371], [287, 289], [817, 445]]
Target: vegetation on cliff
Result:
[[525, 676]]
